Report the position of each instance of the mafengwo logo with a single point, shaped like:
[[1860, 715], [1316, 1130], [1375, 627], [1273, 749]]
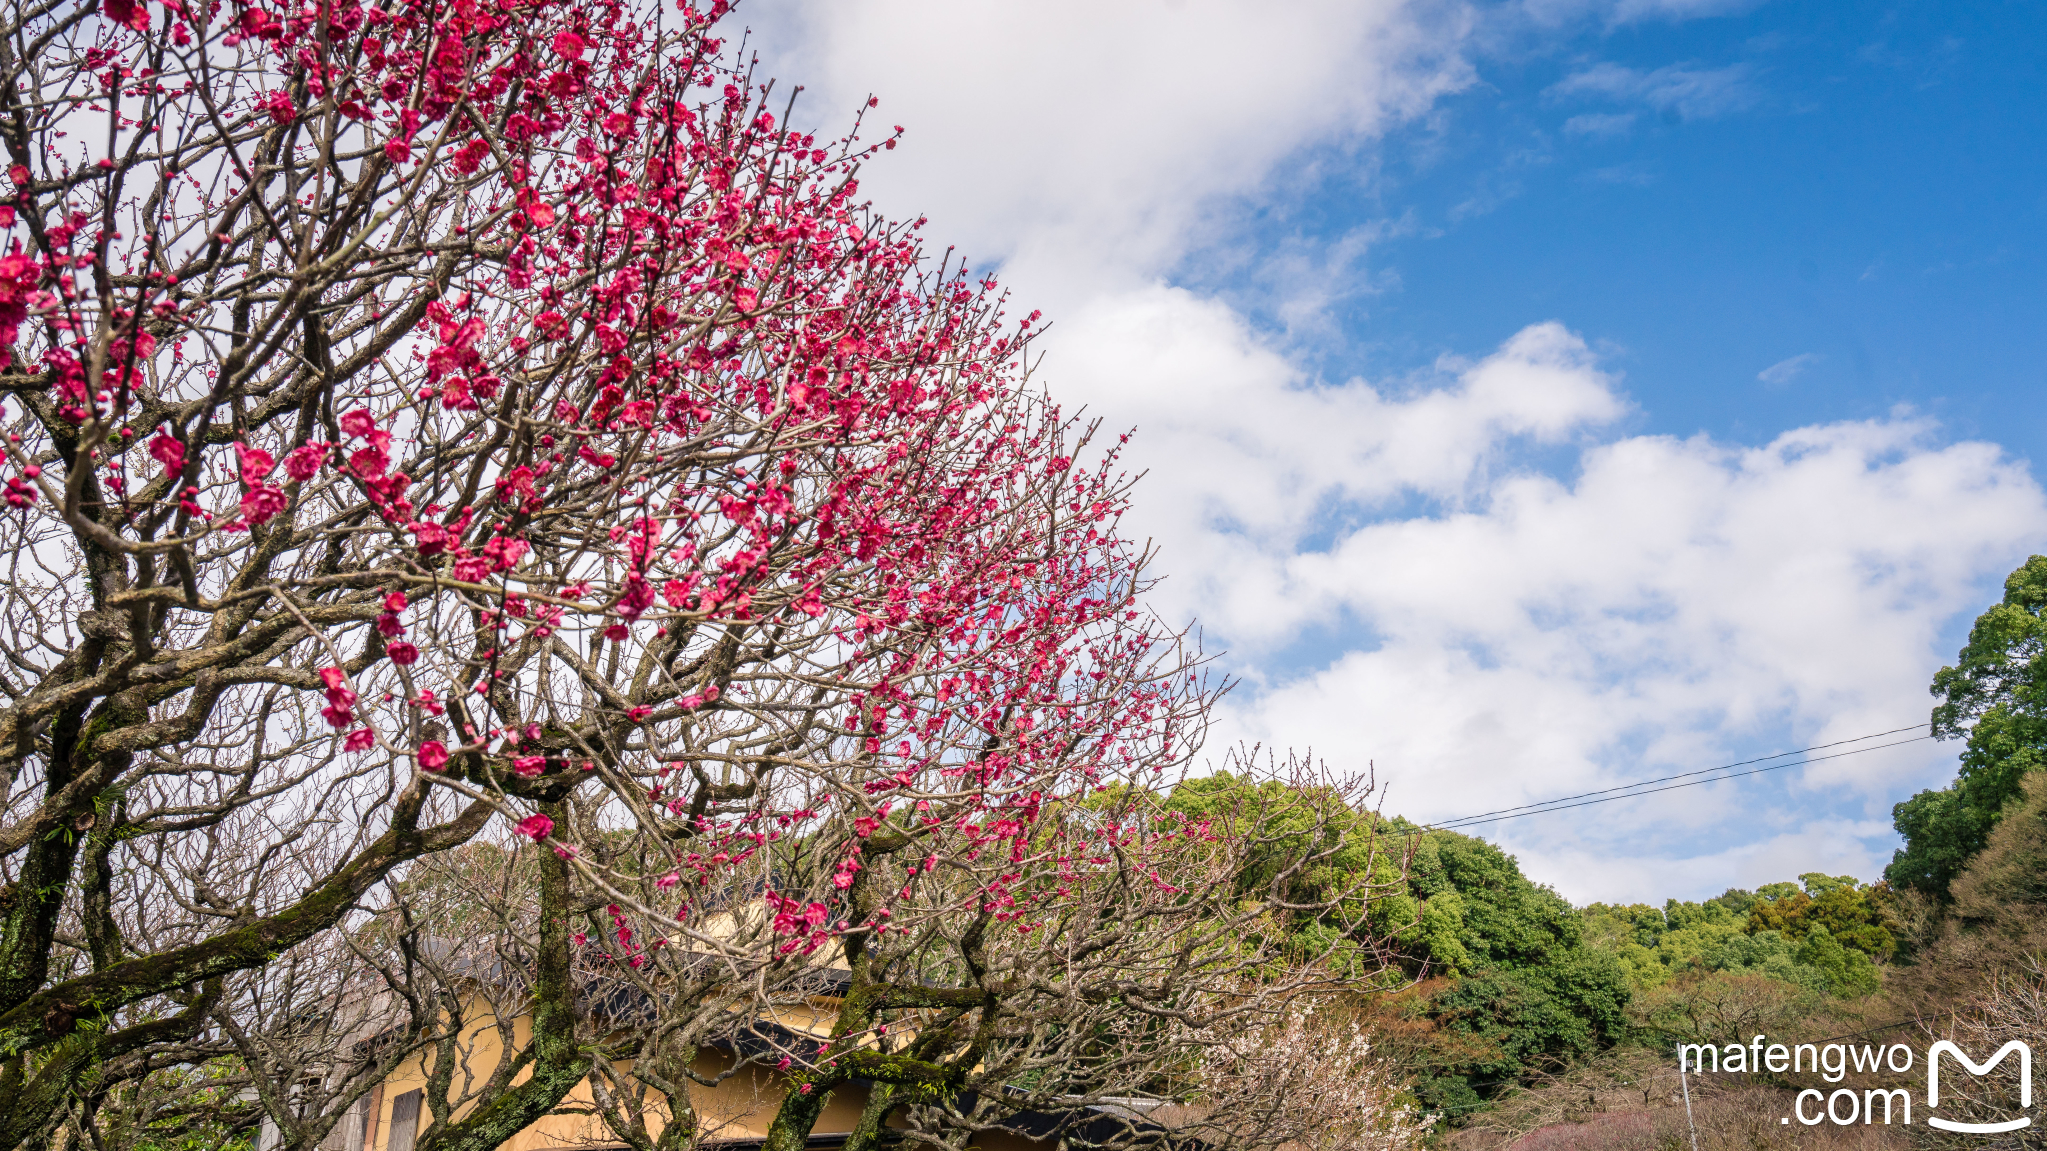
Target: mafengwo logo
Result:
[[1944, 1047], [1846, 1105]]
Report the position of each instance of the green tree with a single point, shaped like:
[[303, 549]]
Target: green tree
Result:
[[2006, 885], [1751, 933], [1854, 916], [1735, 900], [1356, 886], [1531, 1018], [1530, 993], [1848, 972], [1818, 883], [1995, 699], [1508, 920], [1764, 953]]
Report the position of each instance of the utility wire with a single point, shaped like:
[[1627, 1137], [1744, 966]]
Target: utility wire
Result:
[[1701, 771], [1474, 821], [1630, 790]]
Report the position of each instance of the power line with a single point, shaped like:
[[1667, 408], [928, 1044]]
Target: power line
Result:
[[1631, 790], [1702, 771], [1476, 820]]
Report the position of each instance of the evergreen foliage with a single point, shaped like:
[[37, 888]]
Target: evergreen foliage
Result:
[[1825, 933], [1994, 698]]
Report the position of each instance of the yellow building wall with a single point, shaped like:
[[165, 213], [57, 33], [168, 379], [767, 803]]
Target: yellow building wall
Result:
[[741, 1107]]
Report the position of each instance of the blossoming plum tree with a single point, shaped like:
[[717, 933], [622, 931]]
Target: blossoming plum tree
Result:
[[490, 421]]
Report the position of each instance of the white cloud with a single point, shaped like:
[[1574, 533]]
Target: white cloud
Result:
[[1600, 124], [1694, 93], [1087, 139], [1245, 456], [1833, 846], [1631, 11], [1674, 601], [1550, 13], [1634, 174], [1784, 371]]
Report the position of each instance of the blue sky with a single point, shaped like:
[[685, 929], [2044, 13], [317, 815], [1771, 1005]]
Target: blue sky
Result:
[[1861, 184], [1534, 397]]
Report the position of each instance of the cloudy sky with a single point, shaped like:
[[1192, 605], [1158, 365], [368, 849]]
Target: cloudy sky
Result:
[[1536, 397]]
